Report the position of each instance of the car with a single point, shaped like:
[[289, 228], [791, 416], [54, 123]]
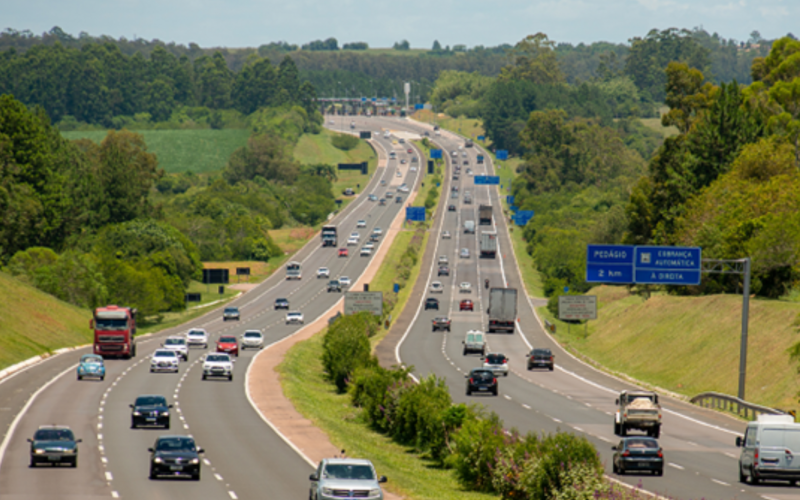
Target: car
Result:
[[464, 253], [454, 189], [497, 363], [398, 199], [383, 182], [377, 231], [441, 323], [54, 444], [540, 358], [294, 318], [343, 252], [370, 245], [372, 197], [403, 189], [344, 281], [437, 287], [150, 410], [481, 380], [465, 287], [469, 171], [356, 235], [443, 271], [373, 238], [331, 122], [454, 194], [443, 260], [410, 151], [281, 303], [228, 344], [398, 174], [454, 154], [197, 336], [349, 192], [91, 365], [474, 341], [451, 208], [402, 162], [638, 454], [431, 303], [356, 477], [252, 339], [386, 135], [334, 286], [413, 168], [177, 344], [466, 305], [365, 252], [218, 364], [456, 177], [323, 272], [175, 456], [446, 235], [464, 154], [361, 223], [382, 202], [389, 194], [230, 313], [352, 241], [164, 360], [401, 140]]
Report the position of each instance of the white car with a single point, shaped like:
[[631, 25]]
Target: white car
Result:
[[323, 272], [356, 235], [369, 245], [437, 287], [403, 188], [465, 287], [197, 336], [352, 242], [361, 223], [443, 260], [294, 318], [398, 174], [496, 362], [377, 231], [445, 235], [252, 339], [218, 364], [344, 281], [386, 135], [413, 169], [177, 344], [365, 252], [465, 253], [164, 360]]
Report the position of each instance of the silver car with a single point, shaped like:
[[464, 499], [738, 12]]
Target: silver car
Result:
[[355, 476]]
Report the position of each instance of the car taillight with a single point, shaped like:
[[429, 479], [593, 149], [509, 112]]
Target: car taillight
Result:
[[471, 381], [551, 358], [494, 380], [626, 453], [660, 453], [756, 455]]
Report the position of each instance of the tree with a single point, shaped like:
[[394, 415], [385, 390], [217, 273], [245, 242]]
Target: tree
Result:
[[534, 60], [215, 81], [436, 45], [263, 156], [402, 45]]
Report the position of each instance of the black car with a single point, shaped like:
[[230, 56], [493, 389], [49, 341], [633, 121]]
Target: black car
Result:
[[281, 304], [441, 323], [444, 271], [175, 456], [54, 444], [540, 358], [634, 454], [150, 410], [481, 380], [451, 208], [431, 303]]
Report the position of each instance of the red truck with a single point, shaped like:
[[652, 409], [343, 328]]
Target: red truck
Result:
[[114, 329]]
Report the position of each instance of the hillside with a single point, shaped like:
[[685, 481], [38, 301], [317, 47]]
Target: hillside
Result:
[[35, 322]]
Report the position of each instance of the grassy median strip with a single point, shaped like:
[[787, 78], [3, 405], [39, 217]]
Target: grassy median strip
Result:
[[303, 382]]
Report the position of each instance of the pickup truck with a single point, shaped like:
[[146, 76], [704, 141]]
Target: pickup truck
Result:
[[638, 410], [441, 323], [334, 286], [474, 341]]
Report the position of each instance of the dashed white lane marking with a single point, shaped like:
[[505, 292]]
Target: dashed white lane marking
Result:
[[185, 426], [233, 495], [556, 420], [219, 478], [205, 461], [604, 439], [99, 437], [676, 466], [692, 443], [109, 477], [765, 497], [507, 397], [731, 455], [723, 483], [526, 407], [577, 428], [114, 494], [104, 460]]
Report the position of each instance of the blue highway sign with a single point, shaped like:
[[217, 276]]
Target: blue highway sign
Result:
[[481, 138], [487, 180], [513, 208], [510, 199], [436, 154], [609, 263], [667, 265], [415, 214], [502, 154], [419, 106]]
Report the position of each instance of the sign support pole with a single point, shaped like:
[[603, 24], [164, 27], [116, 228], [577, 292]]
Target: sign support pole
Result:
[[745, 318]]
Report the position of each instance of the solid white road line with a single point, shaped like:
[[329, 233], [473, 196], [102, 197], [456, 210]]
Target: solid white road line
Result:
[[723, 483], [676, 466]]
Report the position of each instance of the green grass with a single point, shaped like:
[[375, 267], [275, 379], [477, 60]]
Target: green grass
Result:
[[410, 475], [35, 323], [198, 151]]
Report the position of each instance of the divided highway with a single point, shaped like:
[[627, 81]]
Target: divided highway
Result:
[[243, 457]]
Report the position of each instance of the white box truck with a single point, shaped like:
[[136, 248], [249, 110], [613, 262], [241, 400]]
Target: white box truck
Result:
[[488, 244], [502, 309]]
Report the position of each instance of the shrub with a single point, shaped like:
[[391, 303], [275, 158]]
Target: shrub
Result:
[[418, 415], [346, 347], [345, 142], [475, 446], [543, 477]]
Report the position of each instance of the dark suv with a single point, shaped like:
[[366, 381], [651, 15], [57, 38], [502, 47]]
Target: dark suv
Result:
[[441, 323], [150, 410], [540, 358], [444, 271], [281, 304], [175, 456], [54, 444], [481, 380], [431, 303]]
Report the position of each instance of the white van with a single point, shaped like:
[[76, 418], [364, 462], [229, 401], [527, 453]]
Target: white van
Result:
[[769, 448], [469, 227]]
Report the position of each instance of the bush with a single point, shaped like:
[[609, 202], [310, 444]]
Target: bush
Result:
[[475, 446], [345, 142], [346, 347], [418, 415]]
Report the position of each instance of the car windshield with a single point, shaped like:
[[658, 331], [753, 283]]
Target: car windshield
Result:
[[164, 354], [281, 301], [175, 444], [541, 352], [150, 401], [196, 333], [217, 357], [227, 340], [495, 359], [231, 310], [92, 360], [641, 443], [348, 471], [54, 435], [175, 342], [482, 375], [252, 334]]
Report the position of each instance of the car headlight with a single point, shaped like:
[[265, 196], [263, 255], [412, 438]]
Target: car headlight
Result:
[[375, 492], [195, 461], [137, 414], [157, 460], [71, 450], [327, 491], [165, 414], [39, 451]]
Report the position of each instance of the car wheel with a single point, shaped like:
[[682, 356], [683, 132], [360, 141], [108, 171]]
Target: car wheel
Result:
[[616, 428], [152, 473], [166, 425], [133, 424], [623, 431], [74, 462], [742, 477], [753, 479], [550, 367], [465, 352], [469, 393], [80, 377], [33, 462], [614, 468], [204, 376], [196, 477], [102, 377], [151, 370], [620, 470], [505, 374], [660, 472], [230, 377], [494, 392]]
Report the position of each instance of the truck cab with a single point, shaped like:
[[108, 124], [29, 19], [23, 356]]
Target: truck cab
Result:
[[114, 330], [638, 410]]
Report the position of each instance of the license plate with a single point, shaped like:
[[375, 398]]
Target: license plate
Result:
[[176, 467], [482, 388], [54, 458], [151, 419]]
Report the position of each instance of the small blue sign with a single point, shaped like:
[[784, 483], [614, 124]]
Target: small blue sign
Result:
[[415, 214], [487, 180], [667, 265], [481, 138], [436, 154], [419, 106], [394, 99], [566, 289], [396, 288], [502, 154], [513, 208], [609, 263], [374, 99], [510, 199], [363, 99]]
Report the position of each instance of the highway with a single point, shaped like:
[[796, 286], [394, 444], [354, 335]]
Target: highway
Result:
[[243, 457], [698, 444]]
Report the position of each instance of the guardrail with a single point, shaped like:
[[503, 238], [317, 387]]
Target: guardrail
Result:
[[725, 402]]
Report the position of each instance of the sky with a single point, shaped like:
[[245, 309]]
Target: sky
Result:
[[381, 23]]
